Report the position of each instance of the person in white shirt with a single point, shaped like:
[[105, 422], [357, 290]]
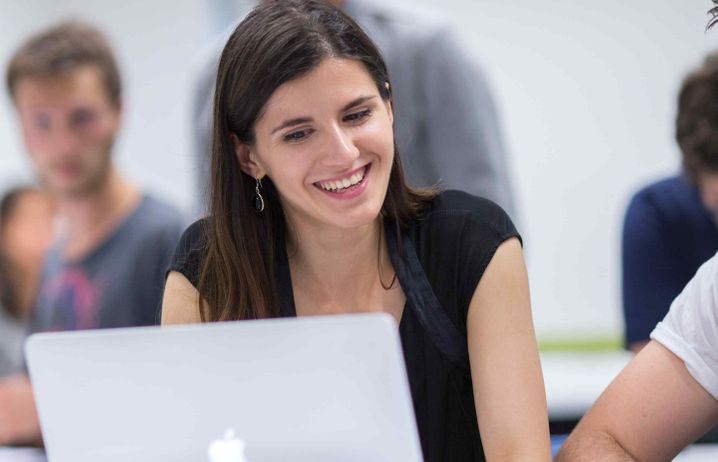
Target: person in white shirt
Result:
[[667, 396]]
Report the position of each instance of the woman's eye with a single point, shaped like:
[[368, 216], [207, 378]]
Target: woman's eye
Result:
[[357, 116], [294, 137]]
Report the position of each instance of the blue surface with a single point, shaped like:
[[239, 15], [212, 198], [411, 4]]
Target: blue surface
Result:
[[556, 443]]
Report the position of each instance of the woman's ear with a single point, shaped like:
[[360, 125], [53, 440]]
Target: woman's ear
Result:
[[387, 102], [247, 158]]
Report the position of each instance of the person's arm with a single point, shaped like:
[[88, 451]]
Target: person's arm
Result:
[[652, 410], [180, 304], [19, 423], [505, 365]]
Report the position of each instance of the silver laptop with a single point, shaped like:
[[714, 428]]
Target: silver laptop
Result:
[[285, 390]]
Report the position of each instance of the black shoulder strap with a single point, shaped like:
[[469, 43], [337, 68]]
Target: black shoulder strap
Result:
[[447, 338]]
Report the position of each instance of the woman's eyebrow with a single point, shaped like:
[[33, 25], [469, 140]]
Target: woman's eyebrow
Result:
[[358, 101], [291, 122]]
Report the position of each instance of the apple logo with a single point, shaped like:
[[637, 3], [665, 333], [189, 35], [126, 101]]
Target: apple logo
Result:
[[229, 449]]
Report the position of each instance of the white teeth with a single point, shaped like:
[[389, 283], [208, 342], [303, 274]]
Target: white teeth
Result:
[[344, 183]]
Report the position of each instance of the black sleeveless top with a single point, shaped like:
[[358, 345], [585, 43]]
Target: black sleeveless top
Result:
[[439, 262]]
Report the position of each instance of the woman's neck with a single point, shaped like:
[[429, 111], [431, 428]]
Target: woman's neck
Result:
[[338, 270]]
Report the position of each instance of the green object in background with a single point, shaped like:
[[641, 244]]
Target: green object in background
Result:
[[609, 343]]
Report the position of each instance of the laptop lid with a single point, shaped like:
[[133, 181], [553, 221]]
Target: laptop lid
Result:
[[309, 389]]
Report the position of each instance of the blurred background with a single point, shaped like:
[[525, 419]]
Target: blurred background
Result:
[[585, 90]]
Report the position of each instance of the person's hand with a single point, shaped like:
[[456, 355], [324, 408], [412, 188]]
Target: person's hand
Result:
[[19, 424]]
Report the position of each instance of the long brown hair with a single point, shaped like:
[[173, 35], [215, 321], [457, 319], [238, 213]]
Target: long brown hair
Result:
[[279, 41]]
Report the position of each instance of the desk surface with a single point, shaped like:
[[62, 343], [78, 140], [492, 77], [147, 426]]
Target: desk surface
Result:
[[694, 453], [698, 453], [22, 455], [575, 380]]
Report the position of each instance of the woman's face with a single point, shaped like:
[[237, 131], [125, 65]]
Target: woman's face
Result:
[[327, 143]]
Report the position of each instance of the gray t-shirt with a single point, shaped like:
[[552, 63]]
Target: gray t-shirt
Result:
[[12, 336], [120, 283]]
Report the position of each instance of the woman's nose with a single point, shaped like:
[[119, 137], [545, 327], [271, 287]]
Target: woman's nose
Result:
[[340, 148]]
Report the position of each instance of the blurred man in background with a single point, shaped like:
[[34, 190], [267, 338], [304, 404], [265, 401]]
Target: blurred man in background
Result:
[[106, 268]]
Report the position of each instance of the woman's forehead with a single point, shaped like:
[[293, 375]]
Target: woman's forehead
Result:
[[331, 84]]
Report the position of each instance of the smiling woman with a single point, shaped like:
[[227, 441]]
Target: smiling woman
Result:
[[310, 215]]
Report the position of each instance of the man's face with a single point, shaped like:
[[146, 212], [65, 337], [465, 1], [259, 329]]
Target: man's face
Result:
[[708, 187], [69, 125]]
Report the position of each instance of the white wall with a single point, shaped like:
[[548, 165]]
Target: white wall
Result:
[[586, 91]]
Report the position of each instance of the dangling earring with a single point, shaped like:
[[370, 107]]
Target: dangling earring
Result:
[[258, 199], [379, 265]]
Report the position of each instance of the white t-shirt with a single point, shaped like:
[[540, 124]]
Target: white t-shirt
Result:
[[690, 329]]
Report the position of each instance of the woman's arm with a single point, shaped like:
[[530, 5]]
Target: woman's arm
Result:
[[180, 303], [505, 365]]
